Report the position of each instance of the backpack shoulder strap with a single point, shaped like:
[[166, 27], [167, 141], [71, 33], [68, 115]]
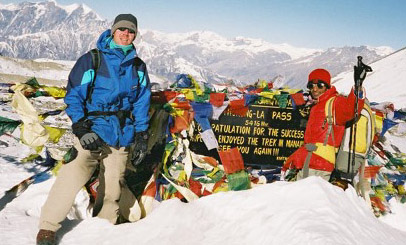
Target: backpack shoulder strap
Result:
[[328, 110], [138, 62], [96, 61], [371, 121], [137, 65]]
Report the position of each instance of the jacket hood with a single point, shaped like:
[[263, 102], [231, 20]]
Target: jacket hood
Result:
[[103, 44], [104, 40]]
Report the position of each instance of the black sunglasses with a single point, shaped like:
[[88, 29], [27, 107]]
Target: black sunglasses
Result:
[[320, 84], [129, 30]]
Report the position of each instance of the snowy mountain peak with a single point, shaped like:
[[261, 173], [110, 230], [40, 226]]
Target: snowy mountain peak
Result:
[[208, 40], [259, 45], [382, 50], [54, 31], [49, 30], [71, 8], [9, 7], [203, 36], [80, 8]]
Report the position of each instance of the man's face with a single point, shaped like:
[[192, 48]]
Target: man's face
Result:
[[316, 88], [124, 36]]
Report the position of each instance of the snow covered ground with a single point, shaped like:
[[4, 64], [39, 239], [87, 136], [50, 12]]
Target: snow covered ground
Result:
[[310, 211]]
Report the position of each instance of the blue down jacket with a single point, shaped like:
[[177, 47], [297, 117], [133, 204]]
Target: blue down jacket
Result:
[[115, 88]]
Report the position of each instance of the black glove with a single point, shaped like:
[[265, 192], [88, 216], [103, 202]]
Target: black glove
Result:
[[91, 141], [87, 138], [139, 148]]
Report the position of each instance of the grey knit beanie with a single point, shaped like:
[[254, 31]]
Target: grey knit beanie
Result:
[[124, 20]]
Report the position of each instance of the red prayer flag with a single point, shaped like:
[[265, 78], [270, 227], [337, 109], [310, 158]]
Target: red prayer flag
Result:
[[298, 98], [150, 190], [179, 195], [195, 187], [170, 95], [185, 105], [378, 113], [237, 107], [217, 99], [206, 192], [232, 160], [371, 171], [378, 203], [182, 122], [210, 160]]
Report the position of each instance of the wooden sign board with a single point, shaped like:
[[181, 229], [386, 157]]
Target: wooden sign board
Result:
[[266, 136]]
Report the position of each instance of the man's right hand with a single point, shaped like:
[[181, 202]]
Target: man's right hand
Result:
[[87, 138], [91, 141]]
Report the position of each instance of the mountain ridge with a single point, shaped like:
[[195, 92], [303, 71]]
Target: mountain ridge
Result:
[[65, 32]]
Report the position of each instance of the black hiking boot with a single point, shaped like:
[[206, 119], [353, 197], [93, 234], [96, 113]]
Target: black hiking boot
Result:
[[46, 237], [342, 183]]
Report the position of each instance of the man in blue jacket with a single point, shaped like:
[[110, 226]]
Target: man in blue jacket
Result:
[[108, 106]]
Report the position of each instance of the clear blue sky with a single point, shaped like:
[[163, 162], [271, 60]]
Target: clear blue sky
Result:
[[302, 23]]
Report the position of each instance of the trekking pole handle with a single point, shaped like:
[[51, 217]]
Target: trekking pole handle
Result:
[[359, 60], [359, 66]]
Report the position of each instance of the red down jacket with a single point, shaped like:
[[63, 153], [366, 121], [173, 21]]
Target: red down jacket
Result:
[[316, 130]]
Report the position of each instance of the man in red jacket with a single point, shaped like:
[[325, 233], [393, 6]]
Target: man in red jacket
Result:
[[321, 140]]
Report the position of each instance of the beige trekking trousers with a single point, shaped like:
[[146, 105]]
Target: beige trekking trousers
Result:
[[313, 172], [74, 175]]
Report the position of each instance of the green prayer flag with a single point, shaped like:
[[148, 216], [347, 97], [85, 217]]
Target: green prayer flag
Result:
[[8, 125]]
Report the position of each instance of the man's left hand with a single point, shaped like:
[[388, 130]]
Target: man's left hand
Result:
[[139, 149]]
